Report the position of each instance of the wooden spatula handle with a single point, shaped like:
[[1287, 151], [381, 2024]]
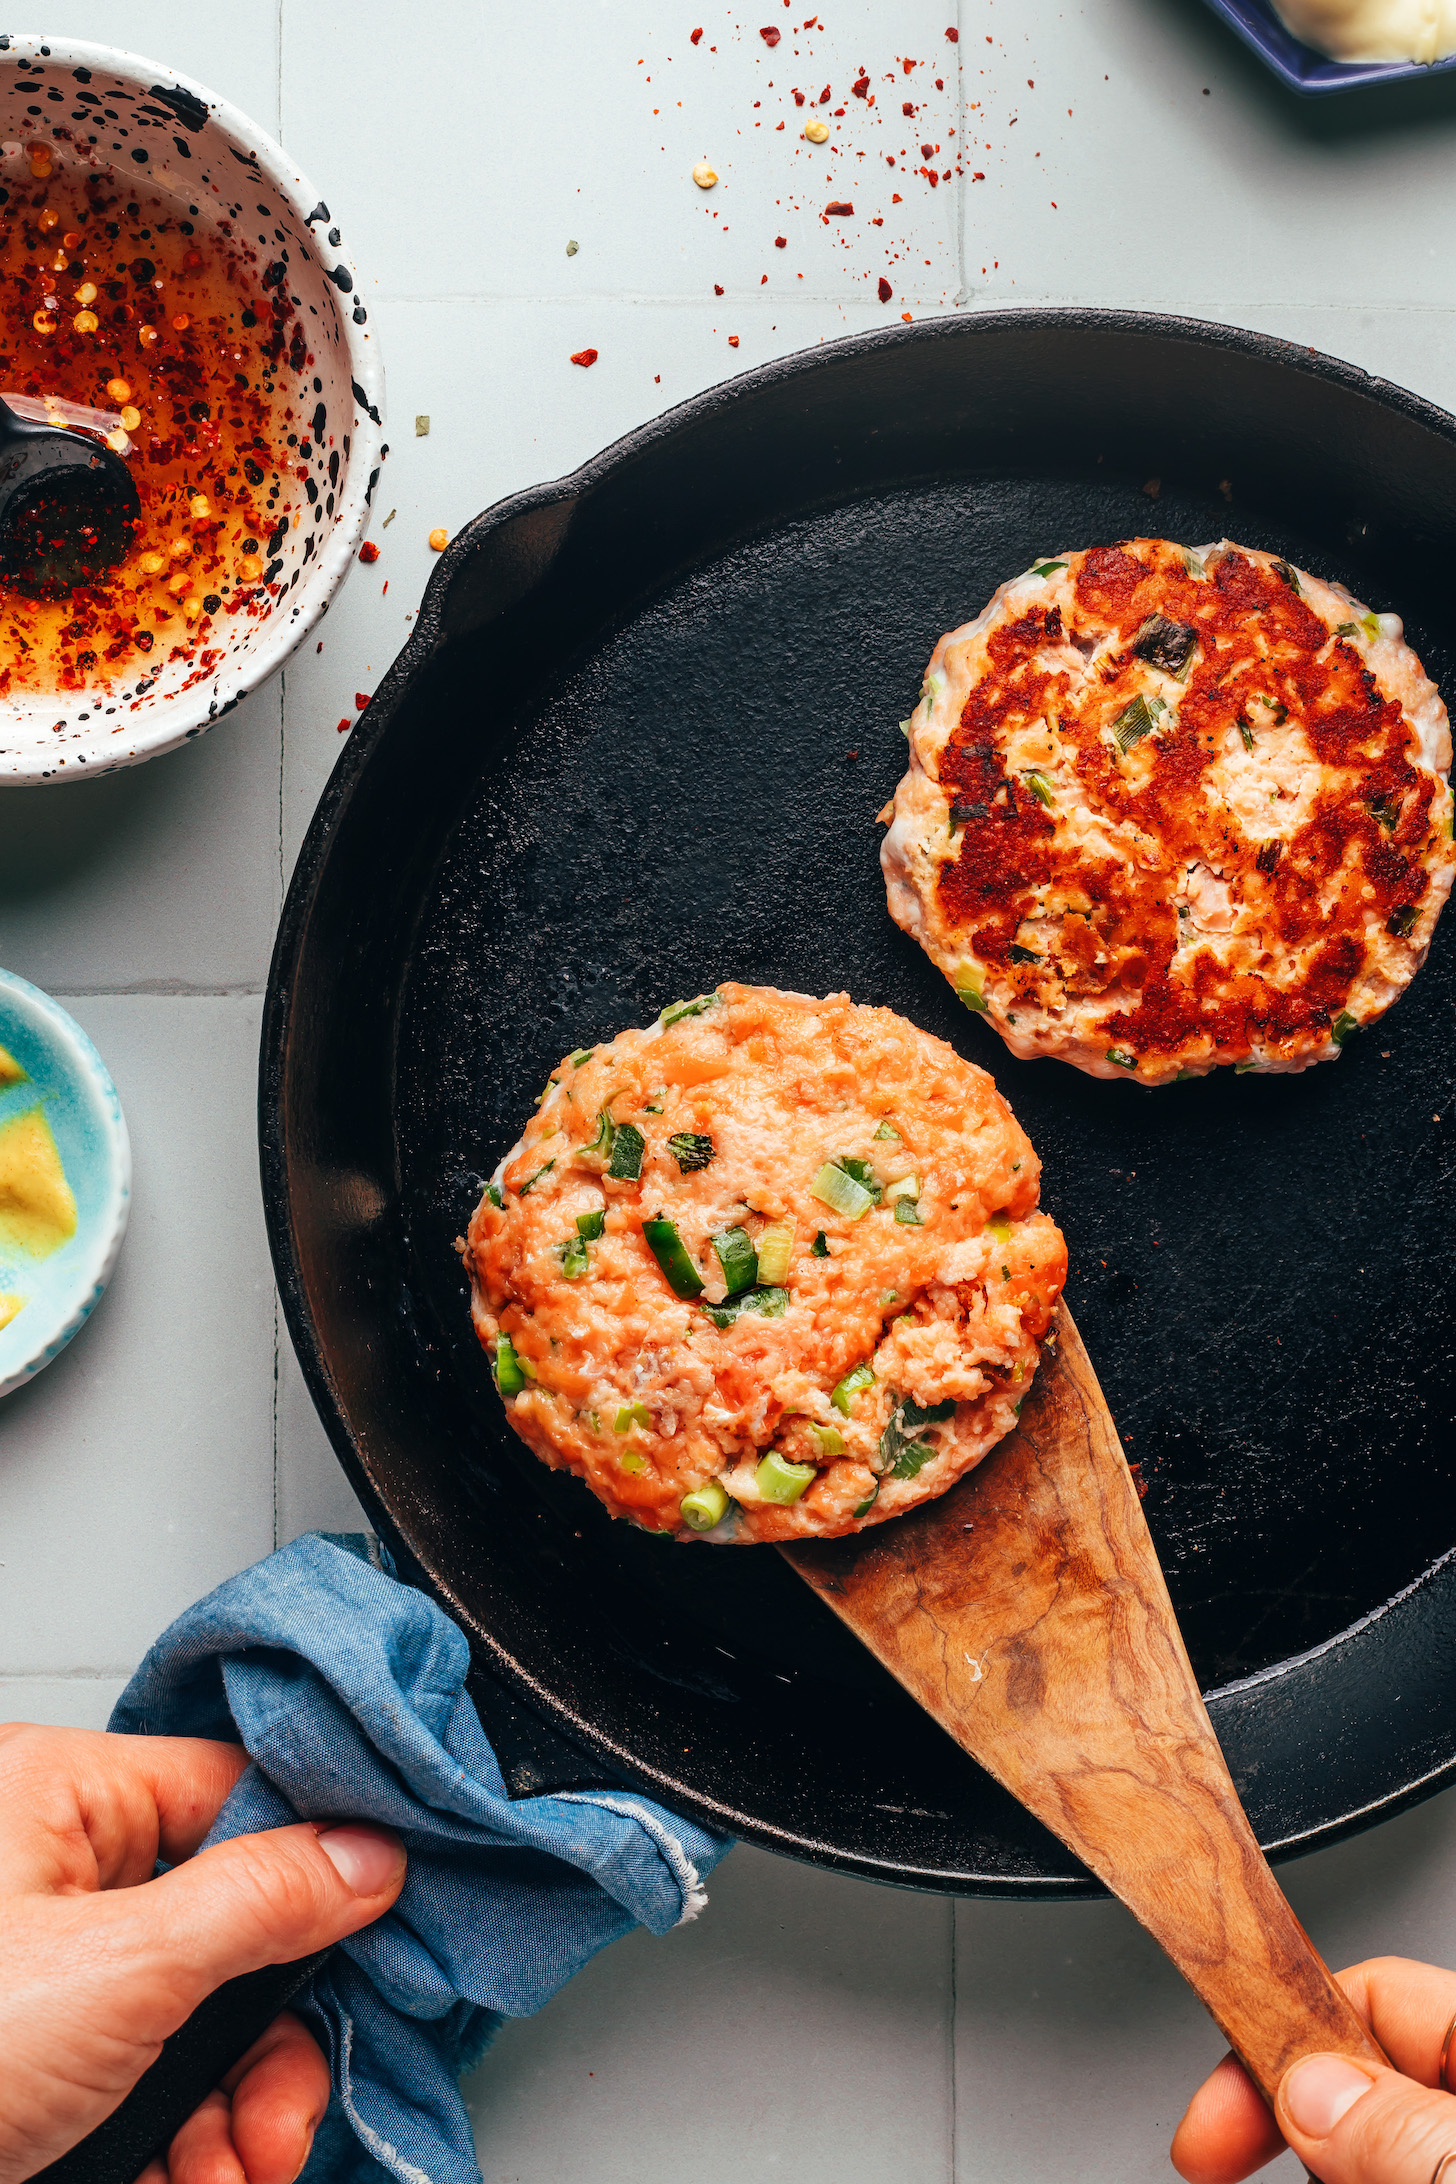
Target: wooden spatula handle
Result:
[[1027, 1612]]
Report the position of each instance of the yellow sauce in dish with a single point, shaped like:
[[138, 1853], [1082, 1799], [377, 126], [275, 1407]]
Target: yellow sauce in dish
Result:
[[9, 1306], [37, 1209], [1374, 30], [10, 1070]]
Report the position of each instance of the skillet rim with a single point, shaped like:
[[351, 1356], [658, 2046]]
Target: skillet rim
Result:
[[428, 637]]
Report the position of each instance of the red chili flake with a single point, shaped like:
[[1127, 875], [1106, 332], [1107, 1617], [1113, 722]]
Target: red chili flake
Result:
[[1031, 83], [717, 288], [368, 551], [907, 65], [798, 98], [940, 83], [824, 96], [931, 177], [909, 108], [954, 35], [878, 220], [770, 35], [345, 726], [361, 699], [781, 242], [1139, 1481], [897, 199], [584, 356], [762, 279], [926, 150], [978, 177], [839, 205], [860, 87], [386, 587], [886, 291], [733, 341], [696, 35]]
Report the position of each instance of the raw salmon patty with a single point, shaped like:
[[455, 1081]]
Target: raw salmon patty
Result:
[[771, 1269], [1171, 809]]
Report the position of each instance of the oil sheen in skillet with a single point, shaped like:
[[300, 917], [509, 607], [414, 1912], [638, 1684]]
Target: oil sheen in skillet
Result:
[[771, 1269]]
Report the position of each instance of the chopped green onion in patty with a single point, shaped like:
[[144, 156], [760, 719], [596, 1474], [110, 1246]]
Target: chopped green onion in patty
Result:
[[1342, 1027], [706, 1506], [581, 1057], [630, 1415], [972, 998], [775, 1251], [1046, 568], [781, 1481], [531, 1181], [888, 1130], [625, 1165], [690, 1150], [695, 1007], [589, 1226], [671, 1254], [829, 1440], [493, 1193], [769, 1303], [737, 1258], [907, 1213], [509, 1377], [1136, 721], [1040, 787], [1123, 1059], [852, 1384], [834, 1186], [819, 1249], [574, 1259]]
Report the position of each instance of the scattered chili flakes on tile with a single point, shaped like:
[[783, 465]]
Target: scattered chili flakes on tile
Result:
[[886, 291], [840, 206], [368, 551], [695, 37], [954, 35], [733, 341], [781, 242], [717, 288], [345, 726], [585, 357], [860, 87], [770, 34], [361, 699]]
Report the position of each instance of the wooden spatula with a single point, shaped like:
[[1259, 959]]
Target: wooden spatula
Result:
[[1044, 1641]]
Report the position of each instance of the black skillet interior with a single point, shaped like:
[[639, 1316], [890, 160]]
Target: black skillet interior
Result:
[[637, 746]]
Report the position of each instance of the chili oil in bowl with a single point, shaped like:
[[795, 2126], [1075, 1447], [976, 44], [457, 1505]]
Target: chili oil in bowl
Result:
[[171, 283]]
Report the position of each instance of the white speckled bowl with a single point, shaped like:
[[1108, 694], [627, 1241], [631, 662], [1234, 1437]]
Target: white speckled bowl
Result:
[[145, 121], [66, 1078]]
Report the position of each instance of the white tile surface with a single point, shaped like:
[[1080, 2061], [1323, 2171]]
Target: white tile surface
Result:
[[163, 877], [461, 147], [61, 1702], [798, 2029], [137, 1470]]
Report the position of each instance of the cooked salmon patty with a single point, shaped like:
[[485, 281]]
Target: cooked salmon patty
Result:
[[1169, 809], [771, 1269]]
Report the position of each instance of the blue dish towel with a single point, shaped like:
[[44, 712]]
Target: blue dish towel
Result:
[[347, 1690]]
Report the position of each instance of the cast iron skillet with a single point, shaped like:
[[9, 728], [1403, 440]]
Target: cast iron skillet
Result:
[[636, 745]]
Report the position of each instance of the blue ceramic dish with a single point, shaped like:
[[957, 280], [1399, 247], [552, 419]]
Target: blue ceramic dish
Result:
[[66, 1078], [1299, 65]]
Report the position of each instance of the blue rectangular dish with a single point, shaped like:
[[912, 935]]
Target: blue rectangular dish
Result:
[[1299, 65]]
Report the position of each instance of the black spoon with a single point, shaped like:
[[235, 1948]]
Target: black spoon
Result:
[[68, 507]]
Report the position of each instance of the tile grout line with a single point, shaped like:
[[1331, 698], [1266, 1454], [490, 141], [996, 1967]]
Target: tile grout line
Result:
[[952, 2154], [962, 295]]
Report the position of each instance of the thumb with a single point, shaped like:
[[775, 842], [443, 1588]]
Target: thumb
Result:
[[1352, 2125], [259, 1899]]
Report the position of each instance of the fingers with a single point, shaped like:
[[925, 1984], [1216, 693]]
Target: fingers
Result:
[[81, 1810], [1353, 2126], [260, 1899], [258, 2127], [1228, 2131]]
